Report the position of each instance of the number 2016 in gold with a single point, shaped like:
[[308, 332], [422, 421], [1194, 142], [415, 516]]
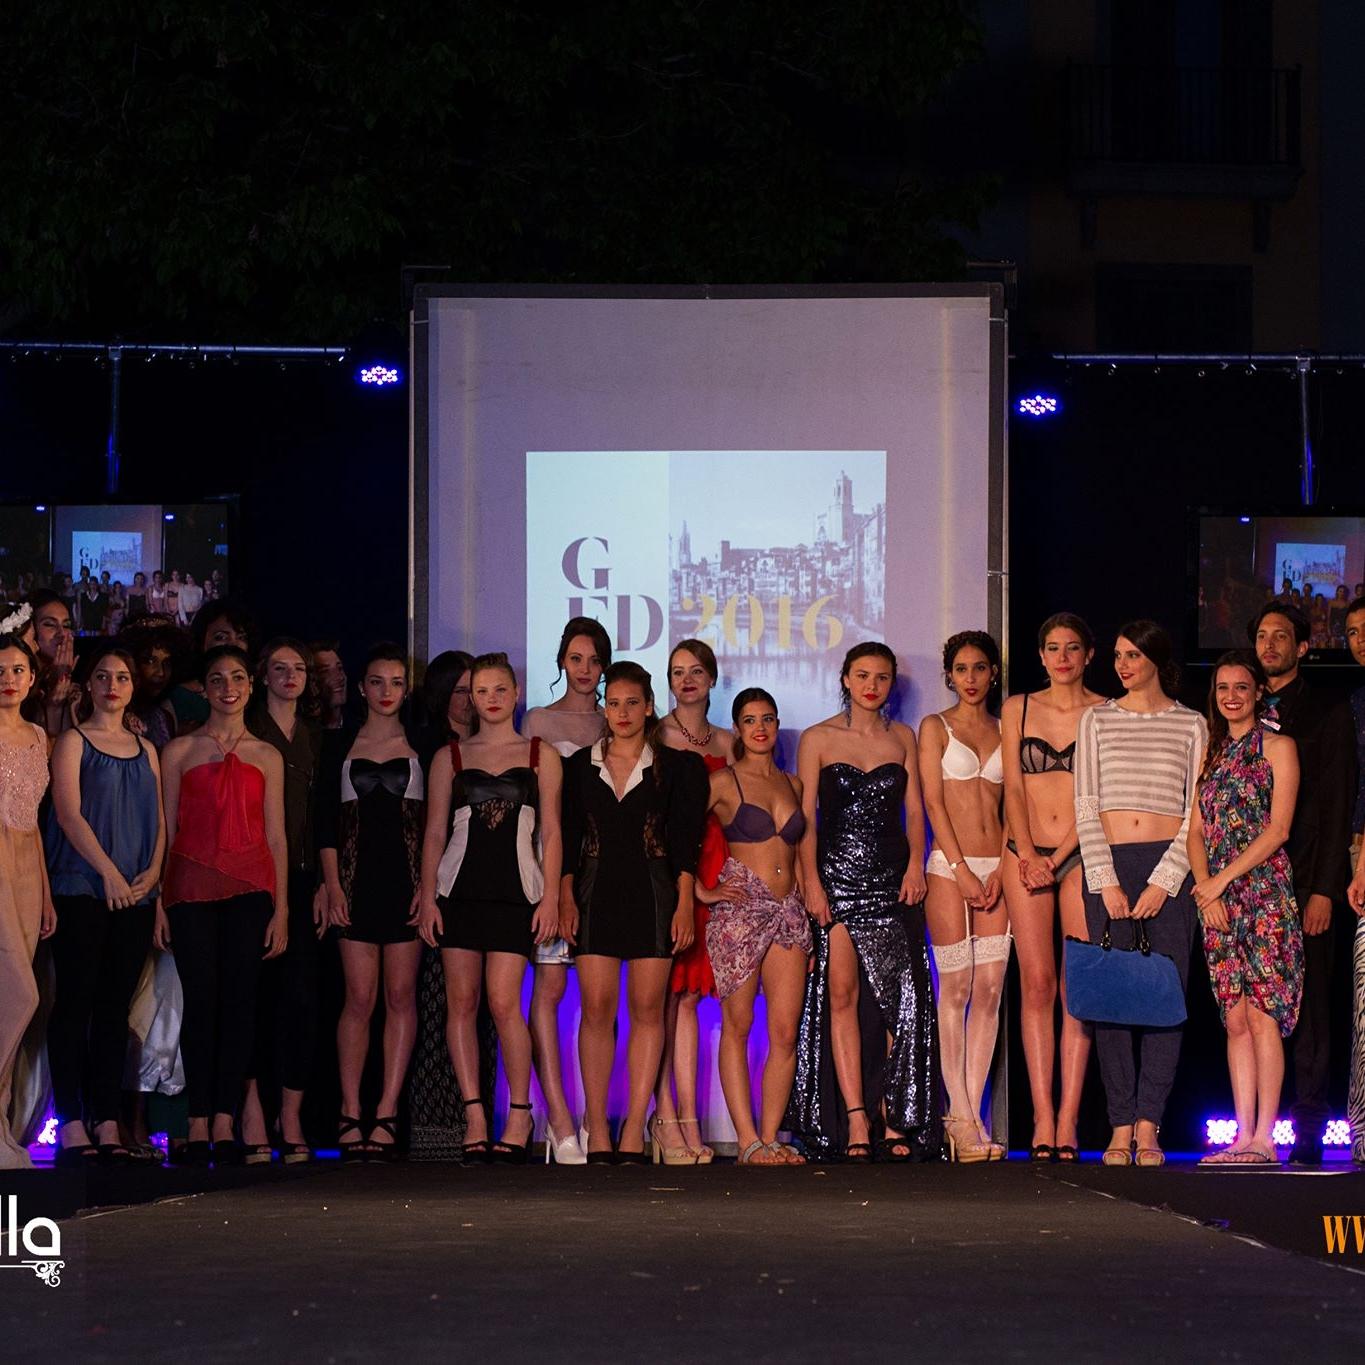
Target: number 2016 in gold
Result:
[[728, 623]]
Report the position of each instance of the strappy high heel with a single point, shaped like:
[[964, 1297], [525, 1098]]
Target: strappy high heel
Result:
[[670, 1156], [510, 1153], [355, 1149], [963, 1153], [386, 1151], [858, 1153], [704, 1153], [480, 1150]]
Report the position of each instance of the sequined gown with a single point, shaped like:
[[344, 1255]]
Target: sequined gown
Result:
[[862, 855]]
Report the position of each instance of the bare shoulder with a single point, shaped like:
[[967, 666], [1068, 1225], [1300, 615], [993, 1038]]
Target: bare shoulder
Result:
[[532, 722], [1012, 706], [930, 727], [548, 758], [797, 785]]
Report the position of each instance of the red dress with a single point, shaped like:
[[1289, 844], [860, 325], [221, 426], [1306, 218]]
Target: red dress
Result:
[[692, 969], [220, 848]]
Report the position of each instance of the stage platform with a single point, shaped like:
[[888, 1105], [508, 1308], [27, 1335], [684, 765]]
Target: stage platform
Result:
[[437, 1262]]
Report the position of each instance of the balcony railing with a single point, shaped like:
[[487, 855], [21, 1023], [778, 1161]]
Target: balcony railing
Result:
[[1181, 118]]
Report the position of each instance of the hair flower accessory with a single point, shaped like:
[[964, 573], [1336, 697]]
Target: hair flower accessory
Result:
[[16, 620]]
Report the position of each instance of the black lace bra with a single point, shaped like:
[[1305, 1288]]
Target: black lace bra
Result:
[[1036, 755]]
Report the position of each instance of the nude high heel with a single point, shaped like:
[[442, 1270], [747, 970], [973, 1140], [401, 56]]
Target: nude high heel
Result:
[[964, 1141], [670, 1156]]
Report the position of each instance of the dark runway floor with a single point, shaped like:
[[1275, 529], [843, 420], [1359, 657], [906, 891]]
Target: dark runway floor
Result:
[[426, 1262]]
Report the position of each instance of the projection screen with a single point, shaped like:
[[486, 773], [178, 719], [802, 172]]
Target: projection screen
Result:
[[780, 472]]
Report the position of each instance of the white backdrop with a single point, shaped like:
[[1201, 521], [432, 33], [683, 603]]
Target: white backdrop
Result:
[[784, 473]]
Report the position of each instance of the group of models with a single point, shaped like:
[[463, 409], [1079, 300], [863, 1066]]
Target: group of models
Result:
[[602, 832]]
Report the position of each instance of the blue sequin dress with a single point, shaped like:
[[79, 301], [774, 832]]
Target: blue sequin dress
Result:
[[862, 855]]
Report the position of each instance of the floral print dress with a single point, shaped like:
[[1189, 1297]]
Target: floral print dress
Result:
[[1261, 954]]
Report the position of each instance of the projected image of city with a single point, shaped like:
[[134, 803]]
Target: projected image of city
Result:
[[777, 560]]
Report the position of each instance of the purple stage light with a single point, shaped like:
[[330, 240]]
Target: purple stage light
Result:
[[379, 376], [1222, 1132], [1040, 405]]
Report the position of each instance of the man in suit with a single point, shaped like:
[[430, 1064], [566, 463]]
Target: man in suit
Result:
[[1318, 848]]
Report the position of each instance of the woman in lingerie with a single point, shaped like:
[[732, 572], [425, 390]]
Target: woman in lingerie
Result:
[[862, 861], [26, 910], [960, 770], [1041, 869], [1244, 888], [156, 594], [692, 673], [105, 841], [569, 723], [633, 813], [1137, 771], [758, 930], [487, 898], [225, 895], [370, 807]]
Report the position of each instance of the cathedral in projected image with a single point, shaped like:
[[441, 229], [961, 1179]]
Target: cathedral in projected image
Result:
[[779, 613]]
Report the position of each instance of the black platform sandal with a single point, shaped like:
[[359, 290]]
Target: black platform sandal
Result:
[[1043, 1152], [385, 1151], [858, 1153], [509, 1153], [355, 1149], [1066, 1156], [476, 1152]]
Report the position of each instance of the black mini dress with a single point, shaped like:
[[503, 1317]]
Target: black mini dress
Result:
[[626, 856], [487, 909]]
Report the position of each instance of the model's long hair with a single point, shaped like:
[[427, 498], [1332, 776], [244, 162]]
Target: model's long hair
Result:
[[309, 702], [85, 708], [595, 631], [1218, 726]]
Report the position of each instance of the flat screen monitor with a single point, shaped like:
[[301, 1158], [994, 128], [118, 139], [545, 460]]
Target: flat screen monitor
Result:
[[1314, 559]]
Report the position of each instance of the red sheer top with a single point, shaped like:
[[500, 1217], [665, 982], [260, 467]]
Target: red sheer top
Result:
[[220, 848]]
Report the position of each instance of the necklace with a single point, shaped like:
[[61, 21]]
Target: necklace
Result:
[[699, 742]]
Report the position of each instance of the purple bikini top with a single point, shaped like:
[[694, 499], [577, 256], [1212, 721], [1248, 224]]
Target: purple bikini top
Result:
[[753, 824]]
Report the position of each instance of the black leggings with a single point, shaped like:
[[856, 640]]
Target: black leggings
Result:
[[218, 947], [98, 955], [287, 997]]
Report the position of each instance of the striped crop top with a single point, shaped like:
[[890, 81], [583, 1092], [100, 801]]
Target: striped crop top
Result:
[[1131, 760]]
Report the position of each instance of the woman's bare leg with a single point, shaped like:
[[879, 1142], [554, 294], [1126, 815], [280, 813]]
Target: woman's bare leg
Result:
[[599, 985]]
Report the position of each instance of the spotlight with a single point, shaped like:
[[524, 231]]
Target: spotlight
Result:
[[170, 516], [1246, 521], [1282, 1134], [378, 376], [1040, 405], [1337, 1133], [47, 1137], [1220, 1132], [41, 507]]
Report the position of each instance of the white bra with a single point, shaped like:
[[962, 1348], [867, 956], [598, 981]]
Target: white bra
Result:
[[960, 763]]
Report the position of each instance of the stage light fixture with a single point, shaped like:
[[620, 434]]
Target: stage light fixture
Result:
[[170, 516], [1246, 521], [1222, 1132], [1040, 405], [378, 376], [40, 508], [47, 1136]]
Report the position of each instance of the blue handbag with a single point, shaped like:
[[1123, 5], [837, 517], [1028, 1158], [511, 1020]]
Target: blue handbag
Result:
[[1131, 986]]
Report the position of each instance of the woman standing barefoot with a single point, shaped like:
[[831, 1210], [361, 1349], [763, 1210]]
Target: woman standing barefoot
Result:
[[1041, 871], [960, 770], [692, 673], [758, 929]]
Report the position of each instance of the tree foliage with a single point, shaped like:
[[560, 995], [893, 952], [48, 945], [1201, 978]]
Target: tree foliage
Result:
[[262, 169]]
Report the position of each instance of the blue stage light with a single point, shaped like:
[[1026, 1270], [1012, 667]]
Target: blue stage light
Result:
[[1246, 521], [1222, 1132], [40, 508], [1040, 405], [170, 516], [378, 376]]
